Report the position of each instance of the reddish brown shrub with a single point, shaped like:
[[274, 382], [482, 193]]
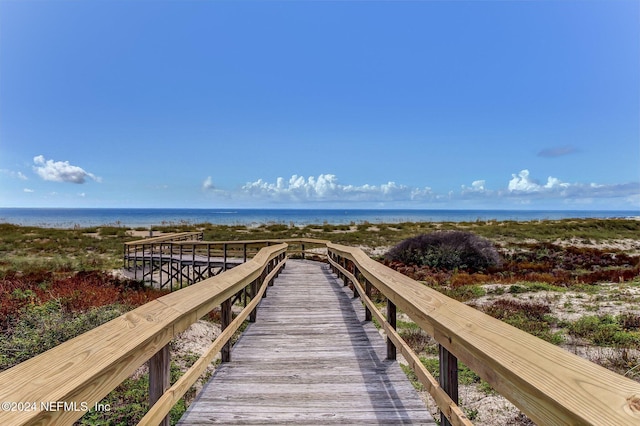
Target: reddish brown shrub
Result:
[[76, 293]]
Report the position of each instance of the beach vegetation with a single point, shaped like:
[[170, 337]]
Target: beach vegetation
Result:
[[552, 280], [608, 330], [447, 250]]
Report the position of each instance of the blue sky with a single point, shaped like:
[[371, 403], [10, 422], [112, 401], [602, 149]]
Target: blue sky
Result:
[[358, 104]]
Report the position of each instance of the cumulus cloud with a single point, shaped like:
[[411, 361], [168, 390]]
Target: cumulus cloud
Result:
[[522, 188], [522, 182], [27, 190], [557, 151], [477, 186], [326, 187], [61, 171]]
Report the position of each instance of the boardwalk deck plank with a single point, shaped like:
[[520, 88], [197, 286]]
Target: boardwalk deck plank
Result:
[[309, 359]]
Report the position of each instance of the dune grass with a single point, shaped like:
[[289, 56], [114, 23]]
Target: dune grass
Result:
[[536, 260]]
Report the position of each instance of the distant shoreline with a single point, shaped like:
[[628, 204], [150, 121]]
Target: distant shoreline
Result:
[[66, 218]]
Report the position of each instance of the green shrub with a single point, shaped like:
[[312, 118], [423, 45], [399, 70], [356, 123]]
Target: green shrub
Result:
[[41, 327], [447, 250], [605, 330]]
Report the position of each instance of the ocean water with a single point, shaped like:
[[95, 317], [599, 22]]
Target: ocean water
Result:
[[146, 218]]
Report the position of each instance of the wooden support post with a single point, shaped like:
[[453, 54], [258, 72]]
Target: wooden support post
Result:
[[160, 267], [159, 373], [193, 264], [225, 320], [261, 281], [270, 266], [302, 245], [391, 319], [180, 267], [355, 289], [135, 262], [448, 378], [244, 251], [367, 291], [254, 292], [224, 257]]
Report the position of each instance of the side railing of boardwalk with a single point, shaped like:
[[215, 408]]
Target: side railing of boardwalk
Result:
[[178, 260], [57, 386], [549, 384]]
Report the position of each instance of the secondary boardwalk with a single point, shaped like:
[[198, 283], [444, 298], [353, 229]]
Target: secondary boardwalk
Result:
[[309, 359], [175, 270]]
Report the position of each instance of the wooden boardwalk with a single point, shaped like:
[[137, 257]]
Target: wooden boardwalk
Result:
[[309, 359]]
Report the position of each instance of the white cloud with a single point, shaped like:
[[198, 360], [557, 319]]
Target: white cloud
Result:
[[477, 187], [523, 188], [61, 171], [208, 184], [27, 190], [326, 187], [523, 184], [15, 175]]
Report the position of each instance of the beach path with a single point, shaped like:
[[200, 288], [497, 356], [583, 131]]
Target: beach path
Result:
[[310, 358]]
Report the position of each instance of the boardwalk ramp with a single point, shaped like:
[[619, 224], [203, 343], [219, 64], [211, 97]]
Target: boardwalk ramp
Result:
[[310, 358]]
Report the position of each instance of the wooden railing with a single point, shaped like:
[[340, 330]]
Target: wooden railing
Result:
[[178, 260], [80, 372], [549, 384]]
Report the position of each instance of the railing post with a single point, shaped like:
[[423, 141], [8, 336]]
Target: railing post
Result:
[[159, 373], [391, 319], [254, 292], [302, 245], [193, 264], [355, 275], [367, 291], [160, 267], [244, 251], [225, 320], [448, 378], [270, 267], [181, 266], [263, 275], [135, 262], [224, 257]]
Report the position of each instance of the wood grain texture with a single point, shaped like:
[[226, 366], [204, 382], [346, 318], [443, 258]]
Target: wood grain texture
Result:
[[447, 406], [88, 367], [549, 384], [310, 358]]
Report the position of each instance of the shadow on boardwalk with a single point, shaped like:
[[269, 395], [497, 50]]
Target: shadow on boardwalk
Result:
[[309, 359]]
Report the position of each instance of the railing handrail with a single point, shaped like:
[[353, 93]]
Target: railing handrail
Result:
[[550, 385], [168, 239], [175, 236], [85, 369]]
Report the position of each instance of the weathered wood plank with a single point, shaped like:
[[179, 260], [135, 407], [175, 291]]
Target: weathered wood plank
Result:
[[310, 358], [549, 384]]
